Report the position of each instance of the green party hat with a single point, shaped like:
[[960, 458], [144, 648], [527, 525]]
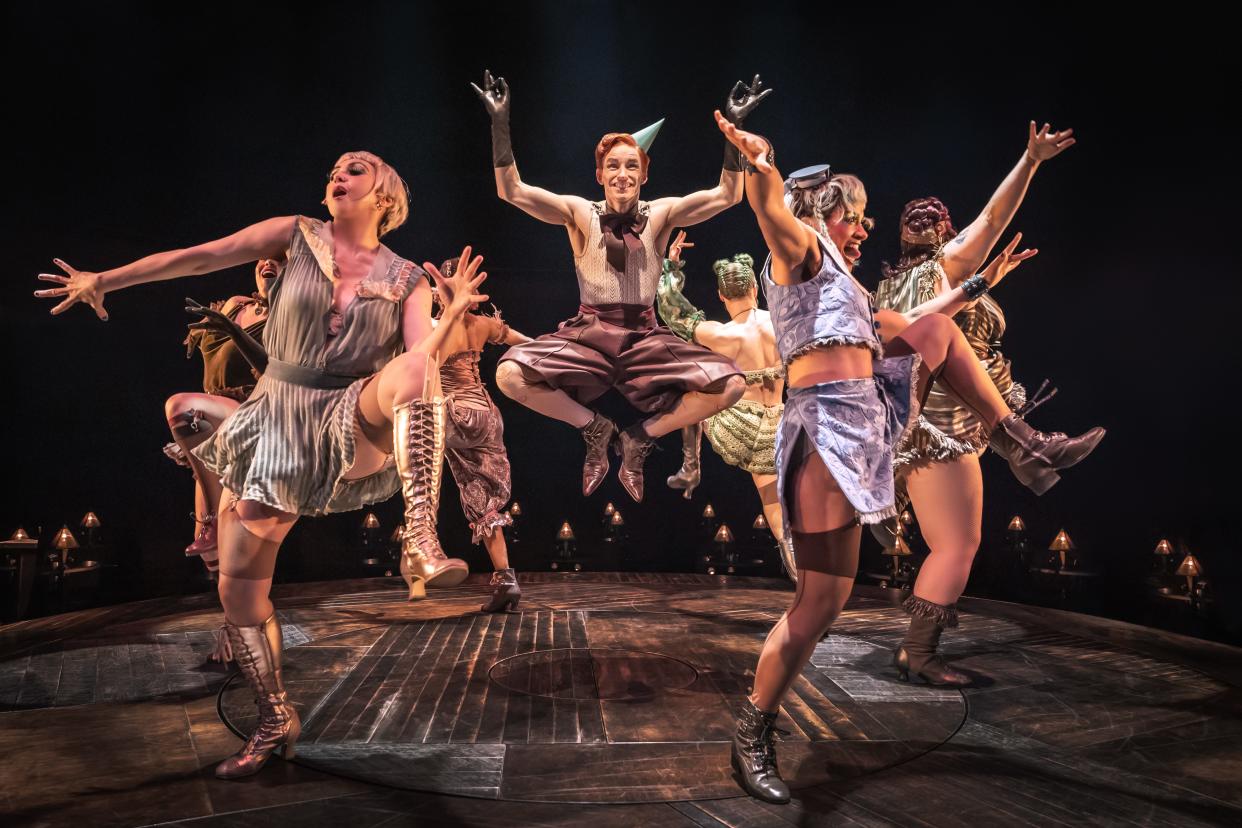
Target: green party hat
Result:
[[646, 136]]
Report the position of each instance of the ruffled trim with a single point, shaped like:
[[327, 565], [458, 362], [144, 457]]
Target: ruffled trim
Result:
[[395, 286], [926, 444], [176, 454], [309, 228], [828, 341], [484, 525], [877, 517], [771, 373], [943, 616]]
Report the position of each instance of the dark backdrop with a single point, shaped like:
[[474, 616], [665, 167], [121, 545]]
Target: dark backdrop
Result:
[[143, 127]]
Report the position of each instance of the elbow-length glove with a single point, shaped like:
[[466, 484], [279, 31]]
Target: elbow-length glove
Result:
[[741, 102], [676, 311], [214, 320], [495, 96]]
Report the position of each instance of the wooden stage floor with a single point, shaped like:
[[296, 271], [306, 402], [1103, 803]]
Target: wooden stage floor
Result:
[[609, 701]]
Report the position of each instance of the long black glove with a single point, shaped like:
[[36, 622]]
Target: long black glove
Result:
[[495, 96], [213, 320], [741, 102]]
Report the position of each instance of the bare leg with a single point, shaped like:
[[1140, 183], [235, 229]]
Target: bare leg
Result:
[[694, 407], [948, 498], [537, 396], [826, 536], [192, 418], [765, 484], [497, 549], [947, 357]]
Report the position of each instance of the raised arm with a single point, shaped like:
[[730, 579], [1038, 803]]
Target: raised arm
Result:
[[699, 206], [676, 311], [459, 291], [965, 254], [265, 240], [535, 201], [793, 245]]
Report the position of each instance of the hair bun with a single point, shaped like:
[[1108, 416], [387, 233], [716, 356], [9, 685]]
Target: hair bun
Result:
[[720, 266], [745, 260]]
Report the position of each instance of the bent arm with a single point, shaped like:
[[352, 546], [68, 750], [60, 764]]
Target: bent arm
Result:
[[676, 311], [264, 240], [542, 204], [699, 206]]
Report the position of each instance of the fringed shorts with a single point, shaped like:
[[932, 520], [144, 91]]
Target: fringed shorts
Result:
[[744, 435], [853, 425]]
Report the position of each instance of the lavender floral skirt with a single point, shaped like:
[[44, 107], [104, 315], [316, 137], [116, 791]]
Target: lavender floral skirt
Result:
[[853, 425]]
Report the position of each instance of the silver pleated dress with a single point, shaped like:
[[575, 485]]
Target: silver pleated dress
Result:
[[291, 443]]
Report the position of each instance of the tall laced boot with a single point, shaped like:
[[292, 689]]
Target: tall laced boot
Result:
[[917, 654], [1034, 457], [754, 755], [689, 475], [257, 651], [598, 434], [505, 592], [633, 445], [418, 432]]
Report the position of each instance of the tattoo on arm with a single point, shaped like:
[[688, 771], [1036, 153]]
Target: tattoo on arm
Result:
[[961, 237]]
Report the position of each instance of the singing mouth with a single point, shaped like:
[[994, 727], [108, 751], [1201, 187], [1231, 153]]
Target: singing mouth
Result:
[[339, 191]]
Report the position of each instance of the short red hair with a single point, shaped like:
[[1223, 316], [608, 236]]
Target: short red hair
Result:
[[610, 140]]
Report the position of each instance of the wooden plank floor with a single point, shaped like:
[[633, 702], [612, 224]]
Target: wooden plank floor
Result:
[[609, 701]]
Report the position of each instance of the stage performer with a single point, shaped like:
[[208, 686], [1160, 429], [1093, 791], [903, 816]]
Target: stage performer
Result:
[[228, 378], [938, 463], [340, 418], [614, 340], [744, 435], [475, 445], [853, 378]]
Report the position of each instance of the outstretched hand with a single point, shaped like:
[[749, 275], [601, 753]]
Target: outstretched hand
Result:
[[743, 100], [1043, 144], [678, 244], [212, 319], [1006, 261], [78, 286], [494, 94], [459, 291], [754, 148]]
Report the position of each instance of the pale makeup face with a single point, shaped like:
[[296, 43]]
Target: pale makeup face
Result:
[[350, 191], [622, 173]]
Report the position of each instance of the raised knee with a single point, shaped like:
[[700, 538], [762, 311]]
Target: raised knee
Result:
[[177, 404], [510, 381]]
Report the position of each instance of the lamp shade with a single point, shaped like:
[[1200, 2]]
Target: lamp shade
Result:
[[723, 534], [65, 539], [616, 519], [609, 509], [515, 509], [566, 532], [760, 522], [1190, 567], [708, 512], [1062, 542], [901, 548], [20, 534], [90, 521], [1164, 547], [370, 521], [906, 517], [1017, 524]]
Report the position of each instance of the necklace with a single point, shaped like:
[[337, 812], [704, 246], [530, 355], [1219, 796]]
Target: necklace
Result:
[[739, 313]]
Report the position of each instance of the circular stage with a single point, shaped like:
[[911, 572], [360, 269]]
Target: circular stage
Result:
[[600, 691]]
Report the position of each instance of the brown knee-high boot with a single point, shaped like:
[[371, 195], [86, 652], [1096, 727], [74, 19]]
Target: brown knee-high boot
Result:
[[257, 650], [918, 654]]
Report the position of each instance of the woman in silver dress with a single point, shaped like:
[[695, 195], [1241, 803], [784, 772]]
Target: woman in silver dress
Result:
[[343, 416]]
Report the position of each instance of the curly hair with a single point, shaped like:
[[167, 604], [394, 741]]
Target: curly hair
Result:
[[840, 190], [735, 279], [920, 240]]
